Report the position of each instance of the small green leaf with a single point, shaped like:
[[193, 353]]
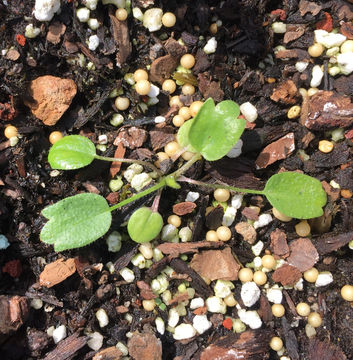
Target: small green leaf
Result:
[[296, 195], [170, 181], [216, 129], [76, 221], [183, 136], [71, 152], [144, 225]]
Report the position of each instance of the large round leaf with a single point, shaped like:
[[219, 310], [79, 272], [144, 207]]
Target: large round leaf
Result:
[[216, 129], [71, 152], [296, 195], [183, 136], [144, 225], [76, 221]]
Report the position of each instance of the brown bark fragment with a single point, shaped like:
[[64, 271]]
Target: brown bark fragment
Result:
[[174, 48], [13, 313], [303, 254], [216, 264], [176, 249], [110, 353], [122, 39], [287, 275], [326, 110], [56, 272], [285, 93], [247, 231], [184, 208], [144, 346], [332, 242], [324, 350], [68, 347], [347, 30], [293, 54], [275, 151], [12, 55], [265, 311], [279, 244], [333, 194], [116, 165], [162, 68], [250, 213], [132, 137], [249, 345], [309, 6], [293, 32]]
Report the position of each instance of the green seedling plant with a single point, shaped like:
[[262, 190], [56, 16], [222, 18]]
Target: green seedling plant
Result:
[[79, 220]]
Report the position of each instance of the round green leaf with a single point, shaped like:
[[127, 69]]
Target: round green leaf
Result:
[[216, 129], [296, 195], [76, 221], [71, 152], [144, 225], [183, 136]]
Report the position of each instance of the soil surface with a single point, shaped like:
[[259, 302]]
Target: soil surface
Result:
[[58, 81]]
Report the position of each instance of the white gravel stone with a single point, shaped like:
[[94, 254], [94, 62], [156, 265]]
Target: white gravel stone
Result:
[[229, 216], [263, 220], [257, 248], [173, 317], [223, 288], [169, 233], [236, 201], [197, 303], [139, 181], [274, 295], [160, 326], [127, 274], [250, 293], [211, 46], [192, 196], [249, 111], [114, 241], [184, 331], [329, 40], [345, 63], [324, 278], [279, 27], [152, 19], [250, 318], [154, 92], [83, 14], [216, 305], [44, 10], [102, 318], [59, 333], [96, 341], [201, 323], [316, 76], [93, 42], [301, 65]]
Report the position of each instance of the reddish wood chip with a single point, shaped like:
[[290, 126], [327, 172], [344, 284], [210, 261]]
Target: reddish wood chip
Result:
[[162, 68], [12, 55], [324, 350], [249, 345], [326, 110], [132, 137], [332, 193], [161, 137], [56, 30], [247, 231], [286, 93], [303, 254], [216, 264], [279, 244], [113, 198], [122, 39], [347, 30], [292, 54], [175, 249], [56, 272], [250, 213], [145, 290], [184, 208], [13, 313], [116, 165], [287, 275], [275, 151], [144, 346], [110, 353]]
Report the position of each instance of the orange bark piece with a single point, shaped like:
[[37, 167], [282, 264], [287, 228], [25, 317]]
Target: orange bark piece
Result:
[[184, 208], [56, 272], [116, 165]]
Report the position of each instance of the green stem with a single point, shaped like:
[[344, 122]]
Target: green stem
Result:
[[186, 166], [150, 190], [218, 186], [131, 161]]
